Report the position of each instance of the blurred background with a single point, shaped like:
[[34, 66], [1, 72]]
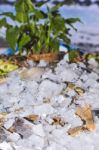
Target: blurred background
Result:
[[87, 36]]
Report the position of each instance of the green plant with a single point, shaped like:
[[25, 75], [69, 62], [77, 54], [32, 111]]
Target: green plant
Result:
[[36, 31]]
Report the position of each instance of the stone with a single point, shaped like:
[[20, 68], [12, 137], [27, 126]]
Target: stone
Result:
[[34, 73], [55, 146], [44, 109], [8, 123], [14, 137], [66, 75], [38, 130], [31, 142], [48, 89], [93, 62], [6, 146], [43, 63]]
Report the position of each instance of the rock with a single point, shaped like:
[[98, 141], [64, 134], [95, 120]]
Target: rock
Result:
[[8, 123], [93, 62], [56, 146], [6, 146], [42, 93], [22, 127], [23, 148], [51, 76], [3, 135], [32, 87], [15, 87], [48, 89], [60, 101], [31, 63], [44, 109], [43, 63], [38, 130], [66, 75], [24, 97], [71, 93], [34, 141], [14, 137], [33, 73]]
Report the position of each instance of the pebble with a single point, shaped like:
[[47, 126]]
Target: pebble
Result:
[[44, 109], [38, 130], [42, 91], [33, 73], [48, 89], [55, 146], [43, 63], [93, 62], [6, 146]]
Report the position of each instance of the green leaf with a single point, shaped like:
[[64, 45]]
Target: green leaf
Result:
[[8, 14], [6, 67], [56, 7], [73, 54], [21, 11], [41, 3], [12, 36], [64, 38], [39, 15], [3, 23], [30, 6], [21, 17], [72, 20], [23, 41], [58, 23]]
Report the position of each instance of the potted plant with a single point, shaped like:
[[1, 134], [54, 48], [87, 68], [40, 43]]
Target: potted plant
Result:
[[37, 32]]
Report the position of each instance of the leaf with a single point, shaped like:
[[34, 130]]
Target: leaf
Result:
[[72, 20], [58, 23], [23, 41], [21, 17], [56, 7], [21, 11], [7, 67], [40, 14], [73, 54], [12, 36], [3, 23], [8, 14], [66, 40], [30, 6], [41, 3]]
